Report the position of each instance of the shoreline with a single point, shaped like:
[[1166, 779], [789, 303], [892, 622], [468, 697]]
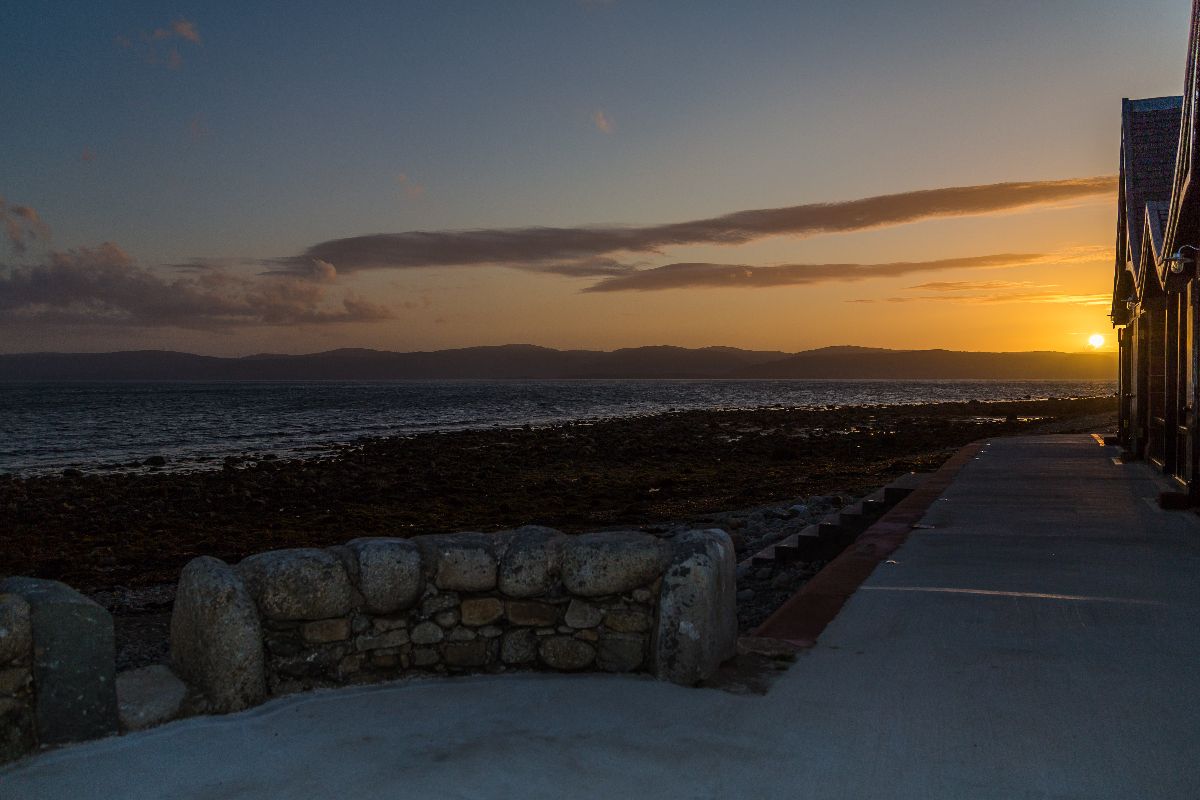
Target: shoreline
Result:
[[97, 531], [89, 432]]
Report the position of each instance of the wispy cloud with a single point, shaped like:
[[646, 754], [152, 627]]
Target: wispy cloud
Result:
[[603, 122], [746, 276], [22, 226], [989, 299], [103, 285], [975, 286], [411, 188], [161, 46], [538, 247]]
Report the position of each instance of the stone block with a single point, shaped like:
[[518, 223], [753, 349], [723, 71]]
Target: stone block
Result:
[[519, 647], [425, 657], [15, 680], [394, 638], [74, 662], [628, 620], [621, 653], [438, 602], [528, 612], [299, 584], [481, 610], [611, 562], [427, 633], [216, 636], [17, 736], [323, 631], [447, 619], [582, 614], [464, 562], [566, 653], [697, 614], [532, 562], [389, 573], [16, 638], [149, 696], [465, 654]]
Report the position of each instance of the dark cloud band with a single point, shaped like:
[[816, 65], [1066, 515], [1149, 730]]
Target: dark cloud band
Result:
[[554, 248], [745, 276]]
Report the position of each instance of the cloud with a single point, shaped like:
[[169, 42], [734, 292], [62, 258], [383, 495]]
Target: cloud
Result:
[[186, 29], [179, 29], [103, 285], [411, 187], [22, 226], [1018, 297], [975, 286], [603, 123], [198, 127], [538, 247], [746, 276], [162, 45]]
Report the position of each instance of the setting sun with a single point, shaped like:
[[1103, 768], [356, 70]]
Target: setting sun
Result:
[[1096, 341]]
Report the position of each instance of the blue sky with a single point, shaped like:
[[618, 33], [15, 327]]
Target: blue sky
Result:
[[289, 124]]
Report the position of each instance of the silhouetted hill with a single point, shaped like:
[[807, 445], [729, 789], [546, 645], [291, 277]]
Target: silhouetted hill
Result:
[[530, 361], [936, 364]]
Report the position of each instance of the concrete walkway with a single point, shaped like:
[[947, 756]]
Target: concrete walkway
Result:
[[1042, 640]]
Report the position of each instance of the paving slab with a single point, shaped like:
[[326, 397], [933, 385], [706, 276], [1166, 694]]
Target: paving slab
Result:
[[1040, 640]]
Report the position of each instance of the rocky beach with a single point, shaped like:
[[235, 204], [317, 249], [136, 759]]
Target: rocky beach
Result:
[[760, 474]]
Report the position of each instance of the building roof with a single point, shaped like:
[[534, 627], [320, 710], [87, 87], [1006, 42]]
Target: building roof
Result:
[[1149, 143]]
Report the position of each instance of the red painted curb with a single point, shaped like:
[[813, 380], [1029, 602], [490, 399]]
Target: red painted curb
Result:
[[804, 615]]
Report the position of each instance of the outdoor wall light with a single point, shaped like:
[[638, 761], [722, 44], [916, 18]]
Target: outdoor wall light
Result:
[[1179, 262]]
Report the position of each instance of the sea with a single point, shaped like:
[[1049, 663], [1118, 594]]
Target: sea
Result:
[[48, 427]]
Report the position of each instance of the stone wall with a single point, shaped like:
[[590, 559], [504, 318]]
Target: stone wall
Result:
[[16, 678], [57, 667], [370, 610], [377, 609]]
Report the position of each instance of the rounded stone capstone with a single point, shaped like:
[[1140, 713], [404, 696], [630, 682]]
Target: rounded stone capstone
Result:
[[16, 638], [216, 636], [389, 573], [299, 584], [532, 561], [611, 562], [697, 608], [461, 562]]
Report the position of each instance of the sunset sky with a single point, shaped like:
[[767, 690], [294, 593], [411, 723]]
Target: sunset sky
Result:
[[569, 173]]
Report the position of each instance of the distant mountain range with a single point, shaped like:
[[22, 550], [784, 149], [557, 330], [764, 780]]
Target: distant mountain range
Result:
[[515, 361]]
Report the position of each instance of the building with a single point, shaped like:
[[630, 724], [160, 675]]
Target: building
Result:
[[1156, 298]]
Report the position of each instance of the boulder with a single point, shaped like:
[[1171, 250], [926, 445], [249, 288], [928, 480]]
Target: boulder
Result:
[[299, 584], [464, 562], [16, 637], [532, 561], [697, 614], [389, 573], [566, 653], [613, 562], [149, 696], [216, 636], [74, 661]]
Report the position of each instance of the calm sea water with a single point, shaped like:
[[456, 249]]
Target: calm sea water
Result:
[[50, 426]]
